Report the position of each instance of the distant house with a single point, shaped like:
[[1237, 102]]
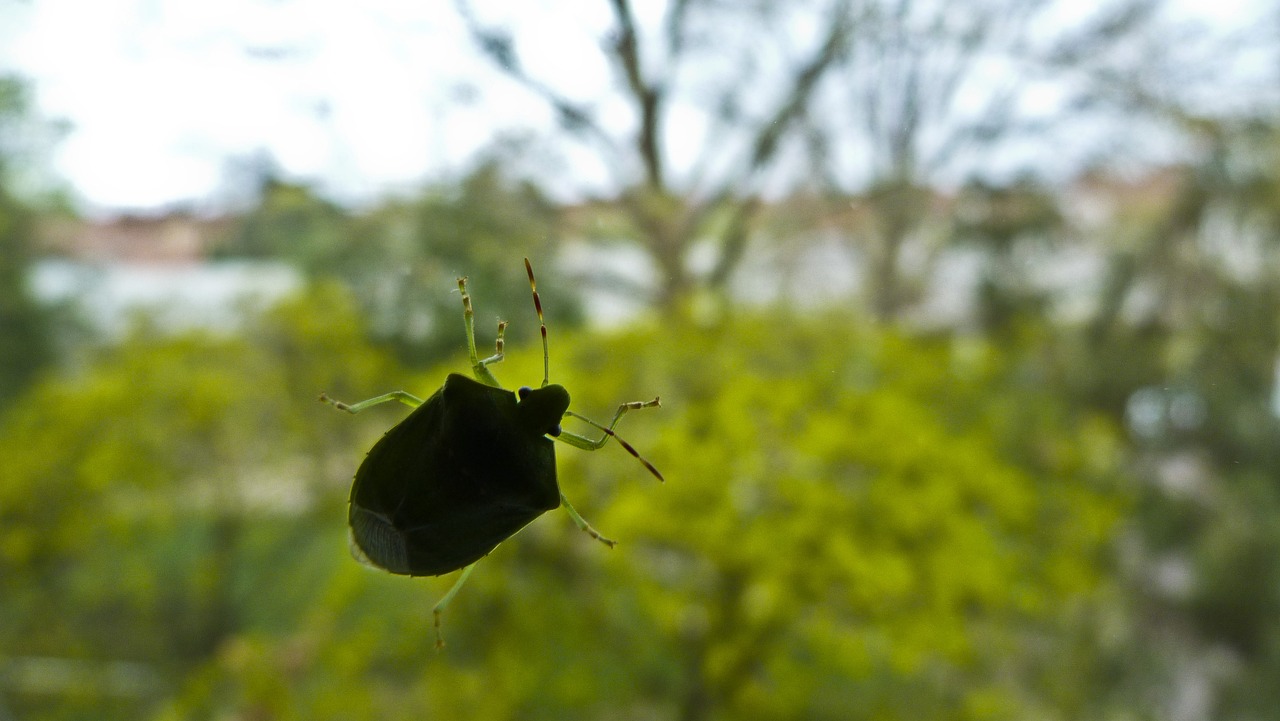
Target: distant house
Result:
[[170, 237], [115, 268]]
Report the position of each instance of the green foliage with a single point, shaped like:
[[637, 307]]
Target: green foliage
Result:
[[139, 514], [25, 325], [855, 525], [291, 222], [853, 520]]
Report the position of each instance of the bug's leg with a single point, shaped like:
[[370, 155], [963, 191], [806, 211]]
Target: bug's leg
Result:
[[581, 523], [497, 345], [443, 603], [478, 368], [406, 398], [608, 431], [588, 444]]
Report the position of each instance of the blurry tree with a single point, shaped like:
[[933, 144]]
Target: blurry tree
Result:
[[1184, 344], [407, 256], [28, 343], [891, 102], [402, 257], [1013, 227], [167, 498], [1179, 340], [290, 221], [25, 325], [733, 74], [929, 96]]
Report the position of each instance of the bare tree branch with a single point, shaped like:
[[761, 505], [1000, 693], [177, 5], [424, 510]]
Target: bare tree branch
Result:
[[764, 148], [648, 97], [675, 27], [766, 142], [499, 47]]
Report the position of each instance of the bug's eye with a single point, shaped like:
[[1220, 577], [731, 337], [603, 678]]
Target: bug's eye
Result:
[[555, 430], [524, 392]]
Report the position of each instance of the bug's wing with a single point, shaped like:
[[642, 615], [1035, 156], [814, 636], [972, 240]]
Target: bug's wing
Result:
[[387, 549], [450, 482]]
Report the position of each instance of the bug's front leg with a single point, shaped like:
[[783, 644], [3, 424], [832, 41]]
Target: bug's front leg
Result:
[[588, 444], [608, 431], [479, 367], [497, 346], [406, 398]]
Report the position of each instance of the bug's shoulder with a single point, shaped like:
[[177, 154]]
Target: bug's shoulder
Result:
[[460, 388], [463, 397]]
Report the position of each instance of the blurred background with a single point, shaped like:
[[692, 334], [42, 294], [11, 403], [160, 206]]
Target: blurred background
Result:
[[964, 316]]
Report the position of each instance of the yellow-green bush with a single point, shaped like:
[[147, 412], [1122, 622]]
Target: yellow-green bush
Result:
[[854, 525]]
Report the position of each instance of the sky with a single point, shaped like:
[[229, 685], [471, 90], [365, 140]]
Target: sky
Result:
[[365, 97]]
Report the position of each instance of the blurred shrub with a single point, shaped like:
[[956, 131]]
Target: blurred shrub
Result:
[[855, 525]]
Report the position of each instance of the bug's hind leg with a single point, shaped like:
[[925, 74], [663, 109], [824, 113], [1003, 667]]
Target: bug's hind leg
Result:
[[406, 398], [479, 367], [581, 523], [438, 609]]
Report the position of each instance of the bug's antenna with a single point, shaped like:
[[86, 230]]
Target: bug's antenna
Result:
[[537, 304], [609, 432]]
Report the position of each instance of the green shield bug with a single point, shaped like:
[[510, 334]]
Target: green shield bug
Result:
[[467, 468]]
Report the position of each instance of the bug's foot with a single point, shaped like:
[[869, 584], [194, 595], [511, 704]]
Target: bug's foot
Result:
[[606, 541], [324, 398], [439, 638]]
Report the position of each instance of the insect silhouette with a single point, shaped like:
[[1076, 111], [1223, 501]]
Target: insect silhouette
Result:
[[467, 468]]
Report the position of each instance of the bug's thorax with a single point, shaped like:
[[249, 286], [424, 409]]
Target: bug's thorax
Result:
[[540, 409]]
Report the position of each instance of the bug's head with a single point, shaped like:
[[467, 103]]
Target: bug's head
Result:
[[542, 408]]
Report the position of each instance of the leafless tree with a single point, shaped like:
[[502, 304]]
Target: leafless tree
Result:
[[885, 105], [743, 69], [931, 95]]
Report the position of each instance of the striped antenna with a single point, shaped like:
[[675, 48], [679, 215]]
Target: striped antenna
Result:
[[537, 304], [621, 442]]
